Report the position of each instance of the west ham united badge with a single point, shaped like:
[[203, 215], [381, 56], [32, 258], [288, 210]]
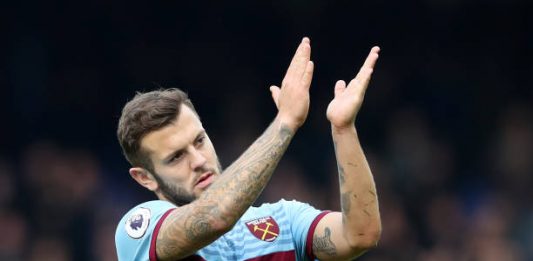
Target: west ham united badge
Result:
[[264, 228], [137, 223]]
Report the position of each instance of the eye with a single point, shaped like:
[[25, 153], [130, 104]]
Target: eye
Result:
[[176, 157], [200, 140]]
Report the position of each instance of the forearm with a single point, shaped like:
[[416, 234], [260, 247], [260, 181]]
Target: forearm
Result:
[[359, 202], [242, 182], [219, 207]]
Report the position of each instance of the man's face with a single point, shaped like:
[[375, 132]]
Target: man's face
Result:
[[184, 160]]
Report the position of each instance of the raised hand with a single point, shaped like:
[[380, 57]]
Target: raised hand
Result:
[[292, 99], [344, 107]]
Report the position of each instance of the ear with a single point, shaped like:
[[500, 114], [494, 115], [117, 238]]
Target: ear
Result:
[[144, 177]]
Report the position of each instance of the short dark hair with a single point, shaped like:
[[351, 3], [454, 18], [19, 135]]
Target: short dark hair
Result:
[[145, 113]]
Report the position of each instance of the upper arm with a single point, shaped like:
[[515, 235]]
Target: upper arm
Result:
[[186, 230], [329, 242], [136, 231]]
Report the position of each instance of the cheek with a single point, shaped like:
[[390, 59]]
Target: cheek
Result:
[[210, 149], [211, 156], [175, 174]]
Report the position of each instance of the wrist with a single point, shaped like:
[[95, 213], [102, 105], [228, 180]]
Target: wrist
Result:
[[284, 122], [340, 130]]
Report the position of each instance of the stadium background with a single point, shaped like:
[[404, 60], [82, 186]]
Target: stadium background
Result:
[[446, 124]]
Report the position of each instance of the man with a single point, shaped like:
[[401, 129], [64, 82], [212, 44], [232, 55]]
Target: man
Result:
[[204, 213]]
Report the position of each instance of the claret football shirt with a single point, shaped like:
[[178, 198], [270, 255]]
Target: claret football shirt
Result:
[[278, 231]]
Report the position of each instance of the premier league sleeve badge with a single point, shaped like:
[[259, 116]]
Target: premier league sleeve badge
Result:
[[137, 223]]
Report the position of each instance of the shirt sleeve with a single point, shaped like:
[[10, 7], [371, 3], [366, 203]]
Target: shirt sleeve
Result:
[[304, 219], [137, 230]]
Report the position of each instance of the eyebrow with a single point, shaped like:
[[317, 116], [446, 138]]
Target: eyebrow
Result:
[[168, 158], [179, 151]]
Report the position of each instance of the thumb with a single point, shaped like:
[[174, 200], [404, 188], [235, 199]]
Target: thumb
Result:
[[340, 86], [274, 90]]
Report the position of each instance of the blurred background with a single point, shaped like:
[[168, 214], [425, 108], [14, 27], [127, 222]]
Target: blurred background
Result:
[[447, 122]]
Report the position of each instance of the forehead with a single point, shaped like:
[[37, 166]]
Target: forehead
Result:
[[174, 136]]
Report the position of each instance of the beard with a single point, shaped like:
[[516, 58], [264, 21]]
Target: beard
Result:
[[179, 195]]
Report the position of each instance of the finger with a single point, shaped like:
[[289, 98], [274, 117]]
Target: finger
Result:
[[308, 74], [340, 86], [299, 60], [274, 91], [362, 78], [372, 57]]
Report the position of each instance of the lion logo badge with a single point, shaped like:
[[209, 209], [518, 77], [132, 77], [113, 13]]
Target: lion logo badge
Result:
[[137, 223]]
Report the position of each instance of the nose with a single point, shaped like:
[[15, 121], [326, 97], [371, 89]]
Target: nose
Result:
[[197, 159]]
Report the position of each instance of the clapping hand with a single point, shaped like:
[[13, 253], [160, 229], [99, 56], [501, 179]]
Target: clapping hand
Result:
[[344, 107]]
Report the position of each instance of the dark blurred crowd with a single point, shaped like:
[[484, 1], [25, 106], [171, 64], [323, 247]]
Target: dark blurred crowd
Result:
[[446, 124], [57, 204]]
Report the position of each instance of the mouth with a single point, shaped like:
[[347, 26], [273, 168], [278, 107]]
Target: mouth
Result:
[[205, 180]]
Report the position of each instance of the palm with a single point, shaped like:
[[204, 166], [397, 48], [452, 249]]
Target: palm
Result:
[[292, 99], [343, 109]]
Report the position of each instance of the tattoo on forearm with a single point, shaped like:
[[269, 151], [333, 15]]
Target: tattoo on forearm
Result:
[[339, 166], [342, 180], [249, 177], [324, 244], [197, 228], [167, 241], [232, 194], [360, 213], [198, 225], [346, 202], [352, 164]]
